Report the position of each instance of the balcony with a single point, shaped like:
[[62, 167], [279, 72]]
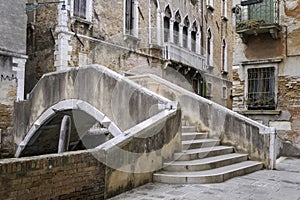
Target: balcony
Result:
[[184, 56], [254, 17]]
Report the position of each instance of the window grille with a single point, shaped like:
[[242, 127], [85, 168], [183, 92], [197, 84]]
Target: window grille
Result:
[[261, 88]]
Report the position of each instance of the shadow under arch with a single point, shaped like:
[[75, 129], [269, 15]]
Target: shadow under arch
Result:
[[81, 112]]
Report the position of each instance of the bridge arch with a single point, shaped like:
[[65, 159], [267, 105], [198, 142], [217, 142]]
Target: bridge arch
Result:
[[69, 104]]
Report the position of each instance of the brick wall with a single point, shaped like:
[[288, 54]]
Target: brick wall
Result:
[[70, 175], [289, 99]]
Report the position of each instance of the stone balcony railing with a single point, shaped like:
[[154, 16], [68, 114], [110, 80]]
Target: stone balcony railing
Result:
[[184, 56]]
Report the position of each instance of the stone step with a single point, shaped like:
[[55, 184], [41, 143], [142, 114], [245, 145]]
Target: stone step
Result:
[[201, 143], [216, 175], [205, 163], [194, 135], [185, 129], [203, 152]]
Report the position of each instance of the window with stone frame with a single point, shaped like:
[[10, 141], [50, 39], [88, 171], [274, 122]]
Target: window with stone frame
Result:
[[194, 37], [261, 89], [80, 8], [176, 28], [185, 30], [224, 55], [129, 17], [167, 19]]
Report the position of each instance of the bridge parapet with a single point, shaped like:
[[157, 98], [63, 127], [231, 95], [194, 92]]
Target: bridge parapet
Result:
[[103, 95]]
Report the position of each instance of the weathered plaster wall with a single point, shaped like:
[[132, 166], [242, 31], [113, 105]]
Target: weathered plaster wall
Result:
[[40, 43], [12, 60], [93, 40], [262, 49], [13, 26]]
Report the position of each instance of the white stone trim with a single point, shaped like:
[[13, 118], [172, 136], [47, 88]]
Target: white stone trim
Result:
[[20, 71]]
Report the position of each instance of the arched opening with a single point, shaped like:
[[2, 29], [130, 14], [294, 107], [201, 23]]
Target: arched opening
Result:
[[186, 25], [176, 27], [154, 22], [89, 128], [209, 48], [194, 36], [167, 18]]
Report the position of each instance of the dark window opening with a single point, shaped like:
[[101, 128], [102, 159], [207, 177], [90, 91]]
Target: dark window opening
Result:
[[129, 19], [224, 66], [261, 89], [80, 8], [185, 32], [176, 28], [167, 18], [208, 46], [194, 37]]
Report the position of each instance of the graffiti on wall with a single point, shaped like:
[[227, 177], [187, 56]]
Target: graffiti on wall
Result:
[[8, 78]]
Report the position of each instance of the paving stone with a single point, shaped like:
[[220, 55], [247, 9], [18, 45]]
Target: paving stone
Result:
[[260, 185]]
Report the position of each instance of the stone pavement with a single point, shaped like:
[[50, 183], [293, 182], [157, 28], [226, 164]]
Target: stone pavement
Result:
[[280, 184]]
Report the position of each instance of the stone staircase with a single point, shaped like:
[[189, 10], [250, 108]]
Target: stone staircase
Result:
[[204, 160]]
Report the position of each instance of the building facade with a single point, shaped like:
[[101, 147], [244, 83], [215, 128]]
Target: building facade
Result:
[[266, 67], [12, 66], [188, 42]]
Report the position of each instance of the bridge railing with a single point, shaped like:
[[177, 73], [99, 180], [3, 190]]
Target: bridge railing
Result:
[[232, 128]]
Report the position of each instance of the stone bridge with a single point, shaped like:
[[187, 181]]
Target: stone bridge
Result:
[[92, 96]]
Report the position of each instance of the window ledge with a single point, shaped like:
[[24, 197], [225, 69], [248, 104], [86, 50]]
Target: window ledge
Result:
[[82, 20], [261, 112]]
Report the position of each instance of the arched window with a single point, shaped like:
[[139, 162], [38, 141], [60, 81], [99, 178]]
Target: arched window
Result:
[[185, 29], [167, 18], [209, 48], [224, 55], [194, 36], [154, 22], [176, 27]]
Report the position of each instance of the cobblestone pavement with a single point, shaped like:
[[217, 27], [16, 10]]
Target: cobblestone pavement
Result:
[[281, 184]]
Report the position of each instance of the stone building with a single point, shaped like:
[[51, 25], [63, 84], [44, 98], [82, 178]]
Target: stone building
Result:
[[266, 67], [188, 42], [12, 65]]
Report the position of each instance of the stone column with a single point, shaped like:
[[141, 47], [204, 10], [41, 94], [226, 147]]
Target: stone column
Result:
[[20, 71], [136, 19], [63, 47], [189, 40], [198, 45], [171, 36], [180, 34], [158, 32]]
